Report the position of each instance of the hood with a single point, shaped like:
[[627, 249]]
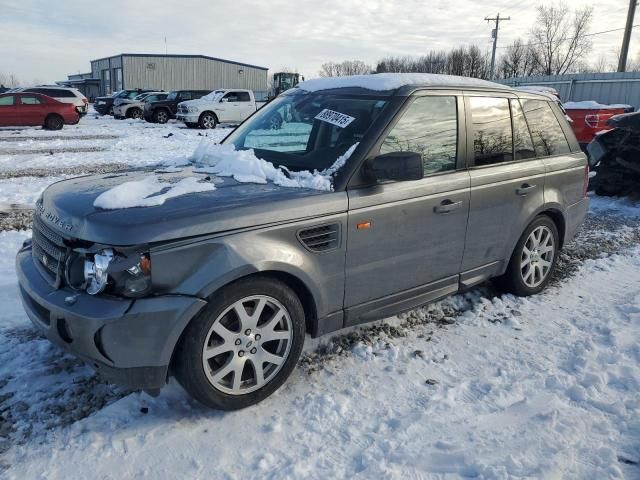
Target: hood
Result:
[[196, 102], [67, 206]]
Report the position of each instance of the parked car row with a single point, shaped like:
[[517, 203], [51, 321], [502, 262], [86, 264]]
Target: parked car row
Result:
[[196, 108]]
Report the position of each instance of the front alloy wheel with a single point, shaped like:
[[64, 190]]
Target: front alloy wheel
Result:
[[243, 345]]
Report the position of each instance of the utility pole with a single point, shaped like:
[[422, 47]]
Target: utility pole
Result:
[[494, 34], [622, 64]]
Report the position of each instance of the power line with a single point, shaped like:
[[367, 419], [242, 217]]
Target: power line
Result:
[[570, 38]]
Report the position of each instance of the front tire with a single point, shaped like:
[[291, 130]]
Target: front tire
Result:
[[134, 113], [207, 120], [53, 122], [533, 260], [161, 116], [243, 346]]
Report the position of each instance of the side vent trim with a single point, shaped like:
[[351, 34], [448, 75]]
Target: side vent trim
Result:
[[320, 238]]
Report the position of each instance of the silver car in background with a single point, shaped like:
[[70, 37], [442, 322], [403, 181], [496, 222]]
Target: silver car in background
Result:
[[134, 107]]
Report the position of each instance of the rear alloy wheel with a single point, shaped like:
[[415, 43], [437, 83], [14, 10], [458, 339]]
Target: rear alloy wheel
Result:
[[207, 120], [243, 346], [53, 122], [161, 116], [533, 260], [135, 113]]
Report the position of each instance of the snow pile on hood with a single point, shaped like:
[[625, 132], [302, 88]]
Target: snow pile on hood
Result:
[[213, 96], [592, 105], [243, 165], [147, 192], [392, 81]]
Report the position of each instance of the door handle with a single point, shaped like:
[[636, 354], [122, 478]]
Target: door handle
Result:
[[447, 206], [525, 189]]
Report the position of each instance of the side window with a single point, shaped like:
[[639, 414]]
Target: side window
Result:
[[29, 100], [428, 127], [492, 137], [243, 97], [185, 96], [231, 97], [8, 100], [521, 136], [548, 137]]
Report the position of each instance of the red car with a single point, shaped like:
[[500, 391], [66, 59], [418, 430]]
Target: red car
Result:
[[34, 109]]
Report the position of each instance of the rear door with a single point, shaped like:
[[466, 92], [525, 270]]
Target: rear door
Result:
[[30, 110], [405, 239], [8, 113], [507, 182], [247, 107]]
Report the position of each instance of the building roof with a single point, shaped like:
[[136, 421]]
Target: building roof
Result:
[[180, 56]]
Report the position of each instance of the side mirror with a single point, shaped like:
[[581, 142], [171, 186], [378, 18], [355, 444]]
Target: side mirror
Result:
[[224, 100], [397, 166]]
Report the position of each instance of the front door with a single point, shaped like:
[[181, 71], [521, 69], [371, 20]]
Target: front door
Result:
[[8, 116], [406, 239], [507, 181]]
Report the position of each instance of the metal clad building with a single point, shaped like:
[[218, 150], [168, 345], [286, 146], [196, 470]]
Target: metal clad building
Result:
[[606, 88], [175, 72]]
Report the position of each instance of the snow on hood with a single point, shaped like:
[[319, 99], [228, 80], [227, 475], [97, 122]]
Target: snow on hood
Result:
[[222, 160], [243, 165], [392, 81], [149, 192], [592, 105]]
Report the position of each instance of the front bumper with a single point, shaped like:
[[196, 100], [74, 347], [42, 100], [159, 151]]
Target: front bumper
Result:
[[129, 342], [102, 109], [188, 117]]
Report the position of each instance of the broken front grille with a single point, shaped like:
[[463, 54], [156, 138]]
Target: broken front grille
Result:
[[49, 252]]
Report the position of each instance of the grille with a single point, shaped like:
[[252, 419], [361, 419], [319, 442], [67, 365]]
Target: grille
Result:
[[321, 238], [49, 251]]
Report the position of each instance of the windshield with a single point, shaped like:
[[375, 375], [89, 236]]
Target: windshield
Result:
[[172, 95], [214, 96], [307, 131], [118, 94], [141, 97]]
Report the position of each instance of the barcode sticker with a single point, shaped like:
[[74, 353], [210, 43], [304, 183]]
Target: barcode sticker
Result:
[[335, 118]]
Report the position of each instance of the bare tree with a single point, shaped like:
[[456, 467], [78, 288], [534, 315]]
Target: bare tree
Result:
[[558, 39], [346, 67], [519, 60], [464, 61], [9, 80]]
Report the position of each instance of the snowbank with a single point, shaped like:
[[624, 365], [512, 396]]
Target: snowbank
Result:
[[391, 81], [592, 105], [149, 192]]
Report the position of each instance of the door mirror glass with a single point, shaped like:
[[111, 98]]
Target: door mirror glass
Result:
[[396, 166]]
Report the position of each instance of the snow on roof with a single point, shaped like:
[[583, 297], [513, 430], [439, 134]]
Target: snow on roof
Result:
[[392, 81], [538, 88], [592, 105]]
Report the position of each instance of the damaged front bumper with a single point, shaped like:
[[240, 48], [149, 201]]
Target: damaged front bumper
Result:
[[128, 341]]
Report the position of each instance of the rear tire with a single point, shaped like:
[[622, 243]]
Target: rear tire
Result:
[[229, 360], [207, 120], [533, 260], [134, 113], [53, 122]]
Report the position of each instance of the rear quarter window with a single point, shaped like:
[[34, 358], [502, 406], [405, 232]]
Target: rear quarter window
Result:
[[546, 132]]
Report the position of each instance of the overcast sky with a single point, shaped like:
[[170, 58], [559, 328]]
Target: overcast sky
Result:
[[45, 40]]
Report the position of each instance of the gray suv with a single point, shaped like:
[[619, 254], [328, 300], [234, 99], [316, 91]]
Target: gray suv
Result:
[[449, 183]]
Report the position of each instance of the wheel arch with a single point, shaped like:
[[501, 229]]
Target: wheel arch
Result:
[[211, 112], [52, 115]]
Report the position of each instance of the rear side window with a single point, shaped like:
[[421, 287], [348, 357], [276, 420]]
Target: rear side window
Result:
[[428, 127], [186, 96], [8, 100], [548, 137], [492, 136], [523, 145], [243, 97], [29, 100], [61, 93]]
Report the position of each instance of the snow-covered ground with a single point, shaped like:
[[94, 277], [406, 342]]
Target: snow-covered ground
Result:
[[480, 385]]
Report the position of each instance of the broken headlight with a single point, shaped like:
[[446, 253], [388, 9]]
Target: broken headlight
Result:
[[128, 275]]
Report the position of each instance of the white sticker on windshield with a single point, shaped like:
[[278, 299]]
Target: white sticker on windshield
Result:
[[335, 118]]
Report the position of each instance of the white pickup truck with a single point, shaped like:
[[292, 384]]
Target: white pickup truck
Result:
[[219, 106]]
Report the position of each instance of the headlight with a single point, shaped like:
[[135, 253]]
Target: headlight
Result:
[[192, 109], [95, 272], [123, 275]]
